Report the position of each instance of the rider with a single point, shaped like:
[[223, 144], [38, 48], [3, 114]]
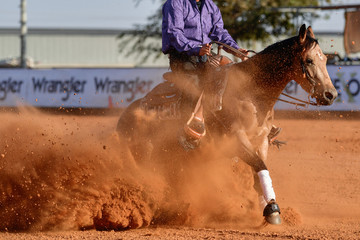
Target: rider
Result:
[[188, 28]]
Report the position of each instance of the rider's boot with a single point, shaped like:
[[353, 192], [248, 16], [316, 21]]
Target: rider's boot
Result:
[[194, 129]]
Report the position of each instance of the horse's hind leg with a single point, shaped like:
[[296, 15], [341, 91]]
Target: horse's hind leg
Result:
[[129, 131]]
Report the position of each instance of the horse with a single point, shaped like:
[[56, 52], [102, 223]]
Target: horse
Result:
[[253, 88]]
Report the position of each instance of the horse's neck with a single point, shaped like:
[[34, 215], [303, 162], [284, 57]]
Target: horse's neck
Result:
[[262, 78], [272, 73]]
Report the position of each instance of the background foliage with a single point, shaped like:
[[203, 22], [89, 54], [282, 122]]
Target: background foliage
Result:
[[246, 21]]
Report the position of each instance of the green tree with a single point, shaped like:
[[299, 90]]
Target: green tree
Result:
[[246, 21]]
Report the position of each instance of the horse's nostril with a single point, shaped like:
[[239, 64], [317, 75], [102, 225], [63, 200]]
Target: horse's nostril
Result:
[[329, 96]]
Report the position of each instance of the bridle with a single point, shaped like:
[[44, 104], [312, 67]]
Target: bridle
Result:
[[305, 71], [304, 68], [302, 103]]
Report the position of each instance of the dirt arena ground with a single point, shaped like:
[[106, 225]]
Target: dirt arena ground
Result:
[[316, 176]]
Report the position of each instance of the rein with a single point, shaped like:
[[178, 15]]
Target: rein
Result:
[[233, 49], [299, 102]]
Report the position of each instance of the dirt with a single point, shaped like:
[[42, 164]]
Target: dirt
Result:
[[70, 177]]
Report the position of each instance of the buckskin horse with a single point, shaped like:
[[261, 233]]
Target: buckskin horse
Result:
[[150, 124]]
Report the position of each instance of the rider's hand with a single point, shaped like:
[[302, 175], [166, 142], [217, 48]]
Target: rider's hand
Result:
[[243, 55], [205, 50]]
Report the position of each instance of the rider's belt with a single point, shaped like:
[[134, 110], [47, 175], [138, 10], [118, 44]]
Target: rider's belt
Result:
[[183, 57]]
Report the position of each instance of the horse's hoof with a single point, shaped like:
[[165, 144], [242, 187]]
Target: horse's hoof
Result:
[[273, 218], [272, 213]]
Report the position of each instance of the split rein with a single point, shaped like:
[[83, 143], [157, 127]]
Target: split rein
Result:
[[299, 102], [234, 49]]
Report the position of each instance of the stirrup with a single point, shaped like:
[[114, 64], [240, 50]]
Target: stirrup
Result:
[[272, 213], [192, 133], [195, 128]]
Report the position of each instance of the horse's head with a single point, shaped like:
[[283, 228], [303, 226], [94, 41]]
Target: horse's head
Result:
[[313, 76]]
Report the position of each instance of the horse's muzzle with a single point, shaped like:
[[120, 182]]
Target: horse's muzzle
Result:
[[327, 97]]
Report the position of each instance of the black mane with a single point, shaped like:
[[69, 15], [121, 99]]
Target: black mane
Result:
[[288, 44], [283, 53]]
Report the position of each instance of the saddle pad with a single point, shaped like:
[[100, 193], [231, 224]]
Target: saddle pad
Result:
[[164, 99]]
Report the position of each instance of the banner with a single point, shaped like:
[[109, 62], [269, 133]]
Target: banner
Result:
[[80, 88], [352, 32], [104, 88]]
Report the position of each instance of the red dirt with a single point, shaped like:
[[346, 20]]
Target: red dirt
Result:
[[63, 173]]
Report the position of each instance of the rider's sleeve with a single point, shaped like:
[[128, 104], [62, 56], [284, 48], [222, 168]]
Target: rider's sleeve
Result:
[[173, 27], [219, 33]]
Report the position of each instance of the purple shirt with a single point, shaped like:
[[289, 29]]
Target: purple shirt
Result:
[[185, 29]]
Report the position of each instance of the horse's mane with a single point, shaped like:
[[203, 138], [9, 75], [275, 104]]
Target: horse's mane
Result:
[[287, 45], [285, 52]]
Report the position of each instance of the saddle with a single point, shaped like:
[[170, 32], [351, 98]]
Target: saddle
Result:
[[164, 99]]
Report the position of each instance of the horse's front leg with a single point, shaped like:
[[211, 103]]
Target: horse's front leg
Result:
[[263, 182], [262, 152]]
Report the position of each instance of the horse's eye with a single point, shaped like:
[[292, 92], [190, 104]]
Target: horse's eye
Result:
[[309, 61]]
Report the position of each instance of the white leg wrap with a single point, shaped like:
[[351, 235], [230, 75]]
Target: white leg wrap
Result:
[[262, 202], [266, 185]]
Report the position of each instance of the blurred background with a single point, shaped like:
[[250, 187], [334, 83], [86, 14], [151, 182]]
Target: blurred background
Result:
[[100, 54], [73, 33]]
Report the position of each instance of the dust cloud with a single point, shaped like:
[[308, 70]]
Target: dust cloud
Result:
[[66, 172]]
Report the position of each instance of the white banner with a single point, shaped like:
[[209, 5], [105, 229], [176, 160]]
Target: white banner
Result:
[[85, 88], [103, 88]]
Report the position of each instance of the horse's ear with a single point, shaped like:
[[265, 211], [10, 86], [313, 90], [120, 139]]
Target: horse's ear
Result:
[[302, 34], [310, 32]]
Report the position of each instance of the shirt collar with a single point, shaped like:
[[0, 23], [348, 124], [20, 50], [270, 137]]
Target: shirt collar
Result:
[[194, 3]]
